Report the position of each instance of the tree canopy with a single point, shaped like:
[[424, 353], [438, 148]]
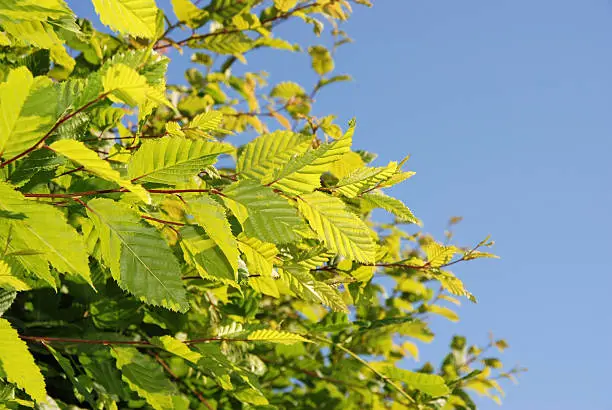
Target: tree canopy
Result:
[[149, 261]]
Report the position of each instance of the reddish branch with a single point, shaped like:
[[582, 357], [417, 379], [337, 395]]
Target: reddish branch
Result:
[[140, 343], [108, 191]]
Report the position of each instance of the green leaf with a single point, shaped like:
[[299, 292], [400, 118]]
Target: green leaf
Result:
[[27, 109], [6, 299], [211, 216], [341, 231], [7, 280], [202, 252], [276, 336], [225, 43], [134, 17], [439, 255], [443, 311], [203, 124], [187, 12], [322, 61], [18, 364], [146, 377], [390, 204], [13, 94], [431, 384], [176, 347], [139, 259], [262, 213], [285, 5], [303, 174], [269, 151], [172, 160], [287, 90], [46, 231], [453, 284], [259, 260], [123, 84], [304, 285], [69, 371], [33, 9], [77, 151], [364, 179]]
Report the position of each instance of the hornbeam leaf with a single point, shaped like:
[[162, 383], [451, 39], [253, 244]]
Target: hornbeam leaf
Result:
[[44, 230], [266, 215], [211, 216], [135, 17], [123, 84], [269, 151], [284, 5], [341, 231], [443, 311], [146, 377], [77, 151], [27, 109], [276, 336], [18, 364], [139, 259], [303, 174], [176, 347], [34, 10], [188, 12], [438, 254], [304, 285], [431, 384], [364, 179], [7, 280], [6, 299], [234, 43], [259, 260], [172, 160], [453, 284], [203, 124], [395, 206]]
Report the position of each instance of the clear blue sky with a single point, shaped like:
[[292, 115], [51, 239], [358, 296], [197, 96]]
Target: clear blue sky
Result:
[[505, 107]]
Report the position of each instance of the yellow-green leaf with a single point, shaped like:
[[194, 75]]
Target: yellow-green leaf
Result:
[[269, 151], [341, 231], [285, 5], [322, 61], [303, 174], [189, 13], [211, 216], [7, 280], [259, 260], [18, 364], [134, 17], [443, 311], [176, 347], [44, 230], [276, 336], [77, 151]]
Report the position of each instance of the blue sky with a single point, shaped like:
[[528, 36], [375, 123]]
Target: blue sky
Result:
[[505, 108]]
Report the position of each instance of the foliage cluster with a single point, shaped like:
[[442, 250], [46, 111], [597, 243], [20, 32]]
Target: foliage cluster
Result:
[[146, 261]]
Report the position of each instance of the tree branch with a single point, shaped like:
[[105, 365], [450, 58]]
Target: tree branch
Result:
[[138, 343]]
